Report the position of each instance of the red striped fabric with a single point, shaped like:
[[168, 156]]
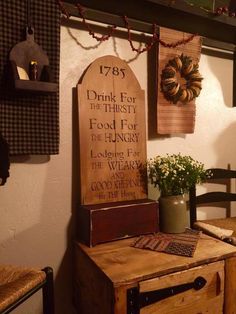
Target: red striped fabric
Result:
[[180, 117], [183, 244]]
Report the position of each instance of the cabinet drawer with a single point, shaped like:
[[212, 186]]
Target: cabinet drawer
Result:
[[180, 297]]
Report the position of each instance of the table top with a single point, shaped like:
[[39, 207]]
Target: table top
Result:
[[124, 264]]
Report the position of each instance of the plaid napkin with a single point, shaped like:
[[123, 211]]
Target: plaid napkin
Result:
[[179, 244]]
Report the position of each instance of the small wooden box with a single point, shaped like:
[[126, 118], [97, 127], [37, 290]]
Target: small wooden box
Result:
[[110, 221]]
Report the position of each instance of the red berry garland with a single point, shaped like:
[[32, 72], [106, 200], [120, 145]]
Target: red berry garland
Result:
[[155, 37], [225, 11]]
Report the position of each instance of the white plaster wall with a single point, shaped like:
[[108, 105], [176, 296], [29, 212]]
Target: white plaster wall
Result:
[[213, 141], [38, 202]]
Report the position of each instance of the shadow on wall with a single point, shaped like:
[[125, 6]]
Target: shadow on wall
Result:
[[64, 281], [41, 247], [225, 146], [152, 93], [225, 150], [221, 62], [41, 240], [101, 30]]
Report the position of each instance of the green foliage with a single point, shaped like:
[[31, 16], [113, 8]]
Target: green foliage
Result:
[[175, 174]]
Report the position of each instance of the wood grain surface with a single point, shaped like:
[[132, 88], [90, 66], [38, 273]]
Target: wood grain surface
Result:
[[112, 127], [124, 264], [115, 267]]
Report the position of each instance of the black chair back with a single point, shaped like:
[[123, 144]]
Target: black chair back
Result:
[[216, 199]]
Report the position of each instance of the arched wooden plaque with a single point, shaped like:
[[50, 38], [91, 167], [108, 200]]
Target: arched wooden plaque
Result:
[[112, 129]]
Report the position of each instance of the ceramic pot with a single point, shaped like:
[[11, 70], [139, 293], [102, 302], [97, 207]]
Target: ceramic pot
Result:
[[173, 214]]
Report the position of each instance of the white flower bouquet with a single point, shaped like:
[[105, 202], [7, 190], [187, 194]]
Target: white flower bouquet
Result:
[[175, 174]]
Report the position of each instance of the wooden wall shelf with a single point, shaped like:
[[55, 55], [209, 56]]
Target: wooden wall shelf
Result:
[[35, 86], [29, 66]]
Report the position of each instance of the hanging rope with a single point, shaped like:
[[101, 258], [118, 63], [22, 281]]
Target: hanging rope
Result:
[[28, 14], [29, 19], [155, 36]]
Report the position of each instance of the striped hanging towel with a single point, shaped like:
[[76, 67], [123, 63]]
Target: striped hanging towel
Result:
[[179, 117]]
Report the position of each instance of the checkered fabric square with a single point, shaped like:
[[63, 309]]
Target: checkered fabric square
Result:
[[179, 244], [30, 123]]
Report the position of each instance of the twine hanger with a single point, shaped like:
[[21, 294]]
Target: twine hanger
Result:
[[30, 29]]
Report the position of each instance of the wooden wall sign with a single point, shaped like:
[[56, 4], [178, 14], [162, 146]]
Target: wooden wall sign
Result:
[[112, 129]]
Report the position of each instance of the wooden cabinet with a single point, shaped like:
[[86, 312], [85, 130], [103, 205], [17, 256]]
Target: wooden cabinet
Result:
[[115, 278], [208, 299]]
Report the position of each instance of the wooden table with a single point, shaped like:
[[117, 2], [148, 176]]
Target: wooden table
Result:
[[112, 278]]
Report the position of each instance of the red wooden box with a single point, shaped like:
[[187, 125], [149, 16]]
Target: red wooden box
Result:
[[106, 222]]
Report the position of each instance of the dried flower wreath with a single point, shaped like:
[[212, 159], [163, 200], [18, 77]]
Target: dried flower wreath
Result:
[[177, 69]]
